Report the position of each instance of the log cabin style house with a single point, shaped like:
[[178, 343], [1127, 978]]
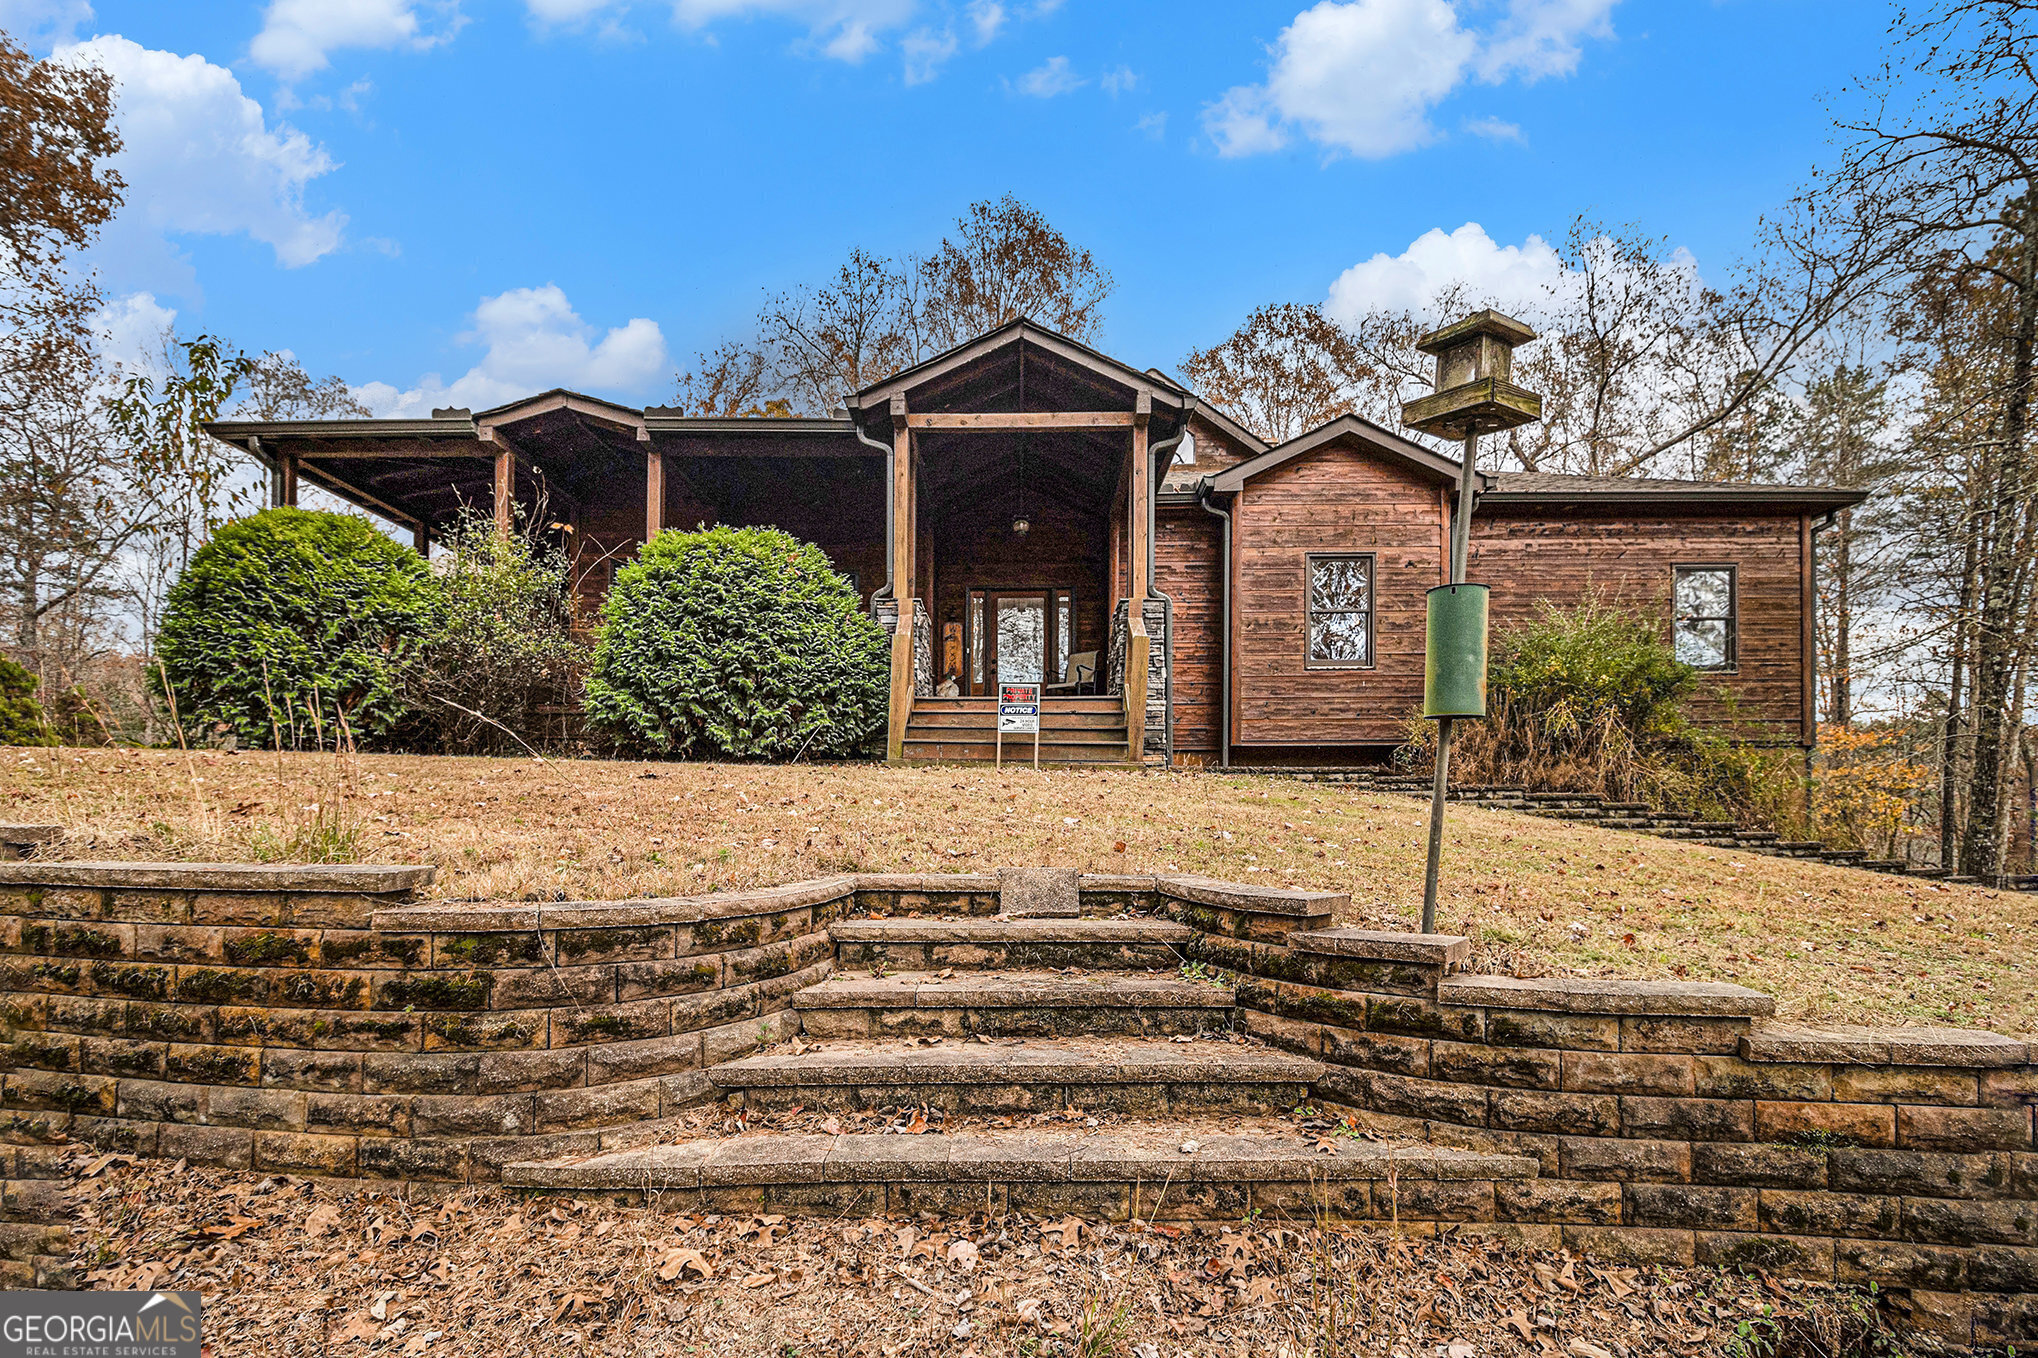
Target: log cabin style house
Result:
[[1027, 510]]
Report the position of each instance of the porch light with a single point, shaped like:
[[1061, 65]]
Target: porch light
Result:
[[1021, 525]]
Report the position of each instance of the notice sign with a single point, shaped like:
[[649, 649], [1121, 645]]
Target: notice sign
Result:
[[1019, 709]]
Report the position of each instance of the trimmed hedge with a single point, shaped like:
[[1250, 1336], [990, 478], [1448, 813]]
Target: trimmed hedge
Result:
[[737, 643], [289, 611]]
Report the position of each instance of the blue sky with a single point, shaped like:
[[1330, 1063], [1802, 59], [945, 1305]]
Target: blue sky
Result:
[[454, 200]]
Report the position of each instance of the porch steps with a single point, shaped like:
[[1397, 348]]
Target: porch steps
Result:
[[1011, 1004], [1073, 730], [1187, 1170], [1142, 1076], [1002, 944]]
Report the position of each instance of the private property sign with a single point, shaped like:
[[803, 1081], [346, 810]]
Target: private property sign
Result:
[[1019, 708], [1018, 714]]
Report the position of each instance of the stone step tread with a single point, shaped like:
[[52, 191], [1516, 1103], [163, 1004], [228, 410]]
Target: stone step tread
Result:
[[1091, 1060], [997, 929], [1011, 990], [1151, 1154]]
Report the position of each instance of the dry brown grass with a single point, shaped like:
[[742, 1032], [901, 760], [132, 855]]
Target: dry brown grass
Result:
[[1539, 896]]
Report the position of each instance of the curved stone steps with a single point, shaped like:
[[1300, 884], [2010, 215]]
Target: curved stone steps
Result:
[[1112, 1175], [994, 944], [1119, 1075], [1011, 1004]]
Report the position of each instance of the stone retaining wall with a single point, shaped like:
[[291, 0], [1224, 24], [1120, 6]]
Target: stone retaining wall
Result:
[[1671, 1121], [313, 1020], [318, 1020]]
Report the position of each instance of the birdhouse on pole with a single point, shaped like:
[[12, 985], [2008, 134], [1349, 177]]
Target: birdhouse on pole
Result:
[[1475, 391], [1474, 394]]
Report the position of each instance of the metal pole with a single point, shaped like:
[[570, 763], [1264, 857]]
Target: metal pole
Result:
[[1461, 546]]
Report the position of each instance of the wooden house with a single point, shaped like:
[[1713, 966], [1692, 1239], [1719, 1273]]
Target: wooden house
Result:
[[1025, 509]]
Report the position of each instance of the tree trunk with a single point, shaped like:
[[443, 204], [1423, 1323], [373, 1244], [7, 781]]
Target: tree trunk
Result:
[[1842, 707], [1949, 741], [1996, 638]]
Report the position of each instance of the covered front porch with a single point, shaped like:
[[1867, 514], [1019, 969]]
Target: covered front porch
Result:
[[1022, 471]]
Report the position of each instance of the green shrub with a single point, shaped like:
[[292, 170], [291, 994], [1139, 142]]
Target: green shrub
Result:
[[740, 643], [1591, 698], [501, 643], [21, 716], [287, 622]]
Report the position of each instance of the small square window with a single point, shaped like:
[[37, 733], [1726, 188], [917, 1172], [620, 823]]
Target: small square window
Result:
[[1341, 611], [1704, 621]]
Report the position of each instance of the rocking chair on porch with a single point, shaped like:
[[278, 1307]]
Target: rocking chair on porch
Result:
[[1082, 676]]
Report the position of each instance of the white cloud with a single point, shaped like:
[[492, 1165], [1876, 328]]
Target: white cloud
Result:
[[130, 330], [1515, 278], [200, 158], [1361, 76], [847, 30], [1050, 78], [1155, 125], [1541, 37], [567, 11], [535, 341], [925, 51], [1495, 129], [40, 24], [298, 36], [986, 17], [1118, 80]]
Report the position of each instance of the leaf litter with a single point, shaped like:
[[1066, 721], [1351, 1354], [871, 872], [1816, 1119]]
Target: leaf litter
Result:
[[292, 1266]]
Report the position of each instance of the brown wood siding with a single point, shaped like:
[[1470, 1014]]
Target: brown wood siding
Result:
[[1335, 499], [1215, 451], [1186, 569], [1533, 557]]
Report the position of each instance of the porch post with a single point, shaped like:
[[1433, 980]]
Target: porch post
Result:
[[505, 489], [654, 494], [1138, 517], [904, 580], [287, 466]]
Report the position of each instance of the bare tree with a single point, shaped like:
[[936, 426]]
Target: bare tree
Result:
[[1941, 170], [822, 342], [729, 381], [277, 387], [1005, 260]]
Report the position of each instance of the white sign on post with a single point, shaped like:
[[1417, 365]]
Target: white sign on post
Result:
[[1019, 714]]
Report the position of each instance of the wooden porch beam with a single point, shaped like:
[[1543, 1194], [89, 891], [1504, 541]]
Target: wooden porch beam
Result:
[[1027, 419], [287, 465]]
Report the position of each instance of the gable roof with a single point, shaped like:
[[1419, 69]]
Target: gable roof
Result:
[[1019, 330], [1406, 451]]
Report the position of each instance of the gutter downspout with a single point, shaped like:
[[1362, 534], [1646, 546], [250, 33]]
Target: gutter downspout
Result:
[[1153, 527], [1223, 624], [891, 481]]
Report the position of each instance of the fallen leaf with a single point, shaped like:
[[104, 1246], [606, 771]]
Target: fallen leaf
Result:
[[678, 1261], [324, 1219]]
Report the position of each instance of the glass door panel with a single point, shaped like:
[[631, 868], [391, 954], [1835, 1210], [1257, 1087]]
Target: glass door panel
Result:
[[1021, 639]]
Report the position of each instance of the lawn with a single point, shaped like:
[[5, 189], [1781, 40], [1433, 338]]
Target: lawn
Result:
[[1538, 896]]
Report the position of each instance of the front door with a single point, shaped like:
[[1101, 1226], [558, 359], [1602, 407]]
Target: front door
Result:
[[1018, 636]]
